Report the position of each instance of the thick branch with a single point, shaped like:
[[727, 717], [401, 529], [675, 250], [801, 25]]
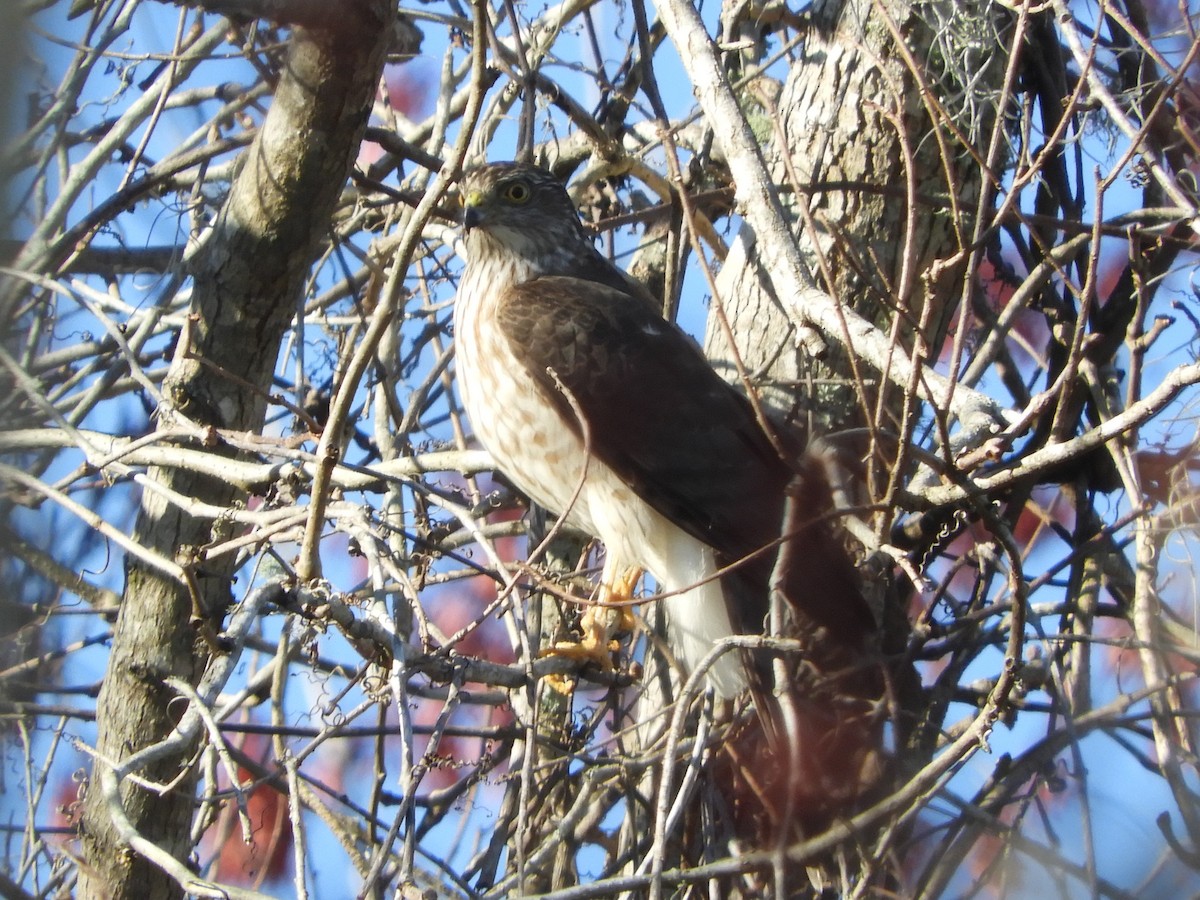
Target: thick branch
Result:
[[245, 474], [248, 276]]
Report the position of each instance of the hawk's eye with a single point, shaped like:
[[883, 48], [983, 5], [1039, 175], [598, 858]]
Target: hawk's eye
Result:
[[517, 192]]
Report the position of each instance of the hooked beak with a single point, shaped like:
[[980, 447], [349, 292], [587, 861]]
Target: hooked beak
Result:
[[471, 218]]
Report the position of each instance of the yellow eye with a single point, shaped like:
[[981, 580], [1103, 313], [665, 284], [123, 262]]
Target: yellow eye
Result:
[[517, 192]]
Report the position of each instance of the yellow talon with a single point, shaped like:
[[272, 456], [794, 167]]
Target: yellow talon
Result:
[[601, 623]]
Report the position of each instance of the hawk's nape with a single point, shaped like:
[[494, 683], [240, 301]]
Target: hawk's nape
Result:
[[604, 412]]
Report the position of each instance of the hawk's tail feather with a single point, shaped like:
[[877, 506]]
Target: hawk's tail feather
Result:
[[822, 707]]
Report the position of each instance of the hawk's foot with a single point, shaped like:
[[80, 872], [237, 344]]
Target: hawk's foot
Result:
[[601, 623], [618, 591]]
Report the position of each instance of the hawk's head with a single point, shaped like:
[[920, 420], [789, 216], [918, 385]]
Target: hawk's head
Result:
[[514, 209]]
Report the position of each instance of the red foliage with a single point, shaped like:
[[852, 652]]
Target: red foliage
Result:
[[411, 89], [1166, 477], [267, 855]]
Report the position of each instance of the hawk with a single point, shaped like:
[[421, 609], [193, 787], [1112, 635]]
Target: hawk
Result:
[[602, 411]]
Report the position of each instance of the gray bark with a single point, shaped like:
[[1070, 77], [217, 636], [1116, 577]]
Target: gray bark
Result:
[[870, 174], [869, 147], [247, 280]]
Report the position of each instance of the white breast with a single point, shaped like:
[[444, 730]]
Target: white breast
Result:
[[508, 412]]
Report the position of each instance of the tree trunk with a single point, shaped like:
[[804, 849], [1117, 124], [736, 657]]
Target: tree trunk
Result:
[[247, 282], [877, 189]]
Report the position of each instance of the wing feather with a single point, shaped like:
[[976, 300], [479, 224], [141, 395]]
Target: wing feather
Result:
[[683, 439], [657, 414]]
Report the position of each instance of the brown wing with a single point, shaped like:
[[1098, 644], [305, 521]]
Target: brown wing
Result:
[[657, 414], [686, 441]]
